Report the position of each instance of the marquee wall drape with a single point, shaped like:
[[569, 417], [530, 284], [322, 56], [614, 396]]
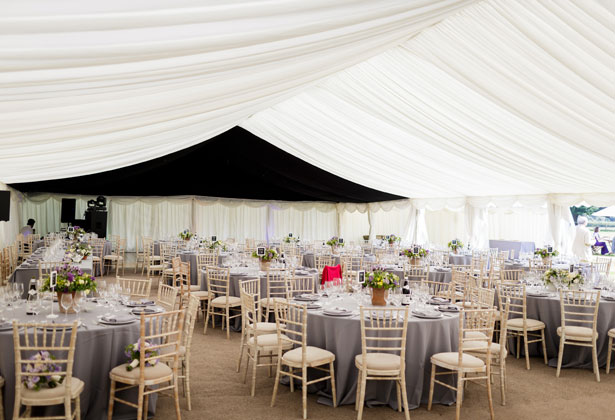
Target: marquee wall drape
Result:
[[9, 229], [101, 85]]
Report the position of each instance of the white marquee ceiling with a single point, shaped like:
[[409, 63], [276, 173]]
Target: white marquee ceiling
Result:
[[501, 97]]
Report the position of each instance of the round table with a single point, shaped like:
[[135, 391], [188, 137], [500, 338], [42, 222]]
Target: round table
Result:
[[458, 259], [99, 348], [547, 310], [342, 336]]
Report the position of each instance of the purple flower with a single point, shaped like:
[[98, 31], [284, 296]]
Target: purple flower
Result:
[[70, 277]]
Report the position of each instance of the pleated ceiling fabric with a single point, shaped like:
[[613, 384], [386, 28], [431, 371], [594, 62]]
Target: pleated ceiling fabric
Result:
[[504, 98], [87, 87]]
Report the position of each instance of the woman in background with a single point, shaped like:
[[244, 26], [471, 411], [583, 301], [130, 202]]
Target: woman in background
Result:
[[604, 248]]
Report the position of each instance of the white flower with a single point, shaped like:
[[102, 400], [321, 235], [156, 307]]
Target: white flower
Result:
[[56, 378], [134, 363]]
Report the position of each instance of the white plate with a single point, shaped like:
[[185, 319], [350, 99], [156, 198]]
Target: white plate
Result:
[[337, 313], [122, 322], [147, 310], [537, 294], [426, 316]]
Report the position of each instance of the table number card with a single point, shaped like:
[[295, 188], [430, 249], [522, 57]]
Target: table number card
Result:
[[260, 251]]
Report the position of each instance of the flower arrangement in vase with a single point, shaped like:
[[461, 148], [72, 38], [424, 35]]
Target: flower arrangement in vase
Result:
[[290, 239], [415, 253], [70, 279], [380, 282], [265, 257], [455, 245], [393, 239], [81, 249], [335, 243], [217, 244], [546, 253], [558, 278], [186, 235]]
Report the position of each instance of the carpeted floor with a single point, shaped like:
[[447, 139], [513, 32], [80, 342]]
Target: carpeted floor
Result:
[[218, 392]]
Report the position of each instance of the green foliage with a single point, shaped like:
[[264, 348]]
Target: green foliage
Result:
[[583, 211]]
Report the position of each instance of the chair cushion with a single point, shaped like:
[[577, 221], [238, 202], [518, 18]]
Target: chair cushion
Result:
[[195, 288], [272, 301], [222, 301], [76, 386], [201, 294], [269, 341], [452, 359], [532, 324], [577, 333], [313, 356], [379, 361], [475, 334], [158, 371], [479, 347], [264, 326]]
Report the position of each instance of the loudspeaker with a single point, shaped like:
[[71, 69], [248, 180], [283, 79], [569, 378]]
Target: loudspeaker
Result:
[[68, 210], [96, 221], [5, 206]]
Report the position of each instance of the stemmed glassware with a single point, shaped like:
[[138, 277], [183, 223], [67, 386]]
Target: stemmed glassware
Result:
[[78, 303], [66, 302]]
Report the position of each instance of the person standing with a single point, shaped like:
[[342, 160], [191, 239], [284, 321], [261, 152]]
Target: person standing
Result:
[[28, 229], [582, 244]]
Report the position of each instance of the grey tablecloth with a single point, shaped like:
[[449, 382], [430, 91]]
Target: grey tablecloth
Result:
[[342, 336], [235, 279], [547, 310], [98, 350], [309, 261], [516, 246], [24, 273], [434, 275], [458, 259]]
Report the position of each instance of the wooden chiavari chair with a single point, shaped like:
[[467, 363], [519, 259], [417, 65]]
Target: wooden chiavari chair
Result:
[[139, 288], [291, 321], [301, 284], [383, 353], [475, 325], [521, 327], [152, 263], [602, 265], [218, 285], [181, 280], [440, 289], [59, 340], [163, 332], [117, 257], [139, 253], [278, 290], [167, 297], [168, 251], [511, 276], [98, 249], [46, 267], [579, 314], [610, 349]]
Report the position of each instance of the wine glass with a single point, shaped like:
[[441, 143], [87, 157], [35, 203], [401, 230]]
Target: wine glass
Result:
[[78, 302], [66, 302]]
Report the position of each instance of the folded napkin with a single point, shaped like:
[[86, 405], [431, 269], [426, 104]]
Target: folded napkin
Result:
[[337, 310], [119, 318], [448, 308], [141, 302], [152, 310], [436, 300], [423, 312]]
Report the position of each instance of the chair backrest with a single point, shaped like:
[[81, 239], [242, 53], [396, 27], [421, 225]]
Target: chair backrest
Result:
[[440, 288], [161, 334], [504, 314], [181, 280], [301, 284], [119, 248], [168, 251], [206, 258], [472, 322], [98, 247], [218, 281], [539, 267], [46, 267], [503, 255], [320, 261], [511, 275], [191, 317], [277, 285], [602, 265], [383, 330], [517, 305], [249, 302], [291, 325], [579, 308], [416, 272], [139, 287], [167, 296], [482, 298], [46, 340]]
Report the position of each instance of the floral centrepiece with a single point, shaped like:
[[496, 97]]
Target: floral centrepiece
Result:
[[80, 248], [70, 279], [544, 253], [270, 254], [217, 244], [133, 351], [393, 238], [415, 252], [42, 363], [562, 278], [78, 231], [455, 244], [186, 235], [291, 239], [380, 282], [334, 242]]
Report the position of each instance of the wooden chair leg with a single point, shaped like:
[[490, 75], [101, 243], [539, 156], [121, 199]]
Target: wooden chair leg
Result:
[[560, 355], [526, 349], [228, 321], [78, 408], [145, 406], [333, 390], [209, 309], [176, 397], [404, 396], [356, 399], [431, 385], [503, 380], [544, 346], [608, 355], [111, 401], [187, 382], [277, 381], [303, 390], [489, 393], [140, 402], [254, 365], [398, 391], [595, 361], [459, 395], [362, 395]]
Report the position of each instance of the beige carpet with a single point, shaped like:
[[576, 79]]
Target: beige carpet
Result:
[[219, 393]]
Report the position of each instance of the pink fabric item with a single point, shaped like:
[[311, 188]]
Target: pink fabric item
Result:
[[330, 273]]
